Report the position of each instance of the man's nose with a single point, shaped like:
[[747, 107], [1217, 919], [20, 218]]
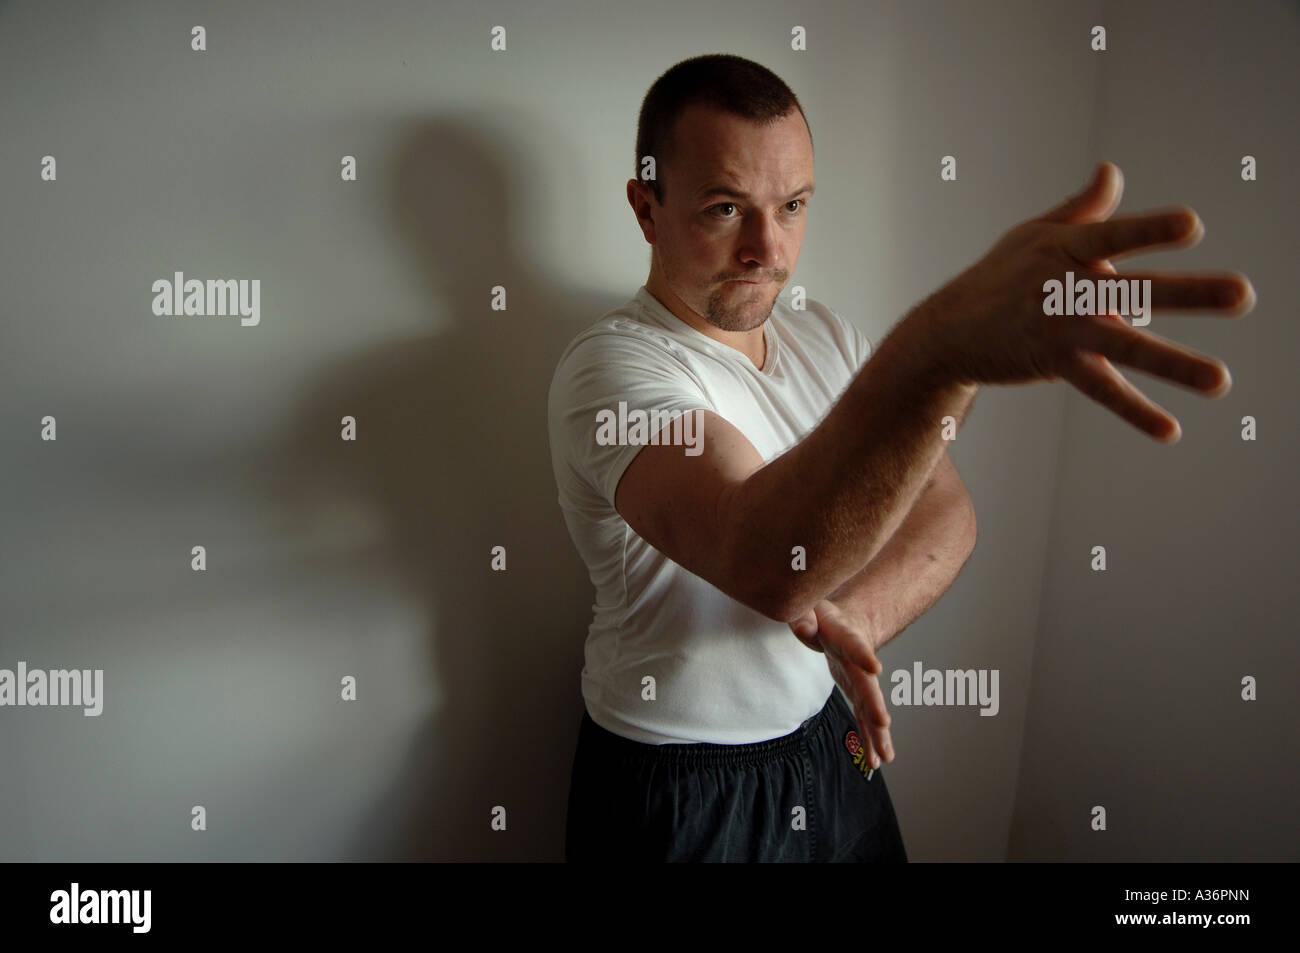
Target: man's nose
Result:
[[761, 242]]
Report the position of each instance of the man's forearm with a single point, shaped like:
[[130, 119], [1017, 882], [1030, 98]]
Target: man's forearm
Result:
[[916, 566], [841, 493]]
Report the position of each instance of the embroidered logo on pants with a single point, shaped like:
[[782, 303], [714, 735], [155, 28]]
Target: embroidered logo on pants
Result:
[[854, 744]]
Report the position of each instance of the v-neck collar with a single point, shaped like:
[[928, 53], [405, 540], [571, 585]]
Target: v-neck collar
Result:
[[670, 321]]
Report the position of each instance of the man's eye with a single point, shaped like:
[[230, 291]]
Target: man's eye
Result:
[[800, 203]]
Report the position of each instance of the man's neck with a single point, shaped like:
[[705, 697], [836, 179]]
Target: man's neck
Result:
[[751, 343]]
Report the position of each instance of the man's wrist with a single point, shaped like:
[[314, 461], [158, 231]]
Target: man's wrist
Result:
[[930, 343], [863, 618], [871, 624]]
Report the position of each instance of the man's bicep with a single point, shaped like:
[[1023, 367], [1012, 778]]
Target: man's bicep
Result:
[[675, 501]]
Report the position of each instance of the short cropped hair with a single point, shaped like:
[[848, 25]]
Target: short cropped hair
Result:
[[720, 80]]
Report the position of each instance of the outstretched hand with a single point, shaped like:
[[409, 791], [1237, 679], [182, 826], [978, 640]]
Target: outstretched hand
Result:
[[847, 643], [996, 329]]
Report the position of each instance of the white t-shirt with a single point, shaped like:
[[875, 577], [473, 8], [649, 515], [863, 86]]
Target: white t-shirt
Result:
[[723, 672]]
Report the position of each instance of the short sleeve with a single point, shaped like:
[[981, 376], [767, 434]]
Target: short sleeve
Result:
[[610, 375], [863, 346], [860, 343]]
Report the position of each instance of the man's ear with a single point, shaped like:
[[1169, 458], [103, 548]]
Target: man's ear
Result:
[[642, 202]]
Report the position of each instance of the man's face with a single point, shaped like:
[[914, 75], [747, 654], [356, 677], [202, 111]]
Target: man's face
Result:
[[736, 194]]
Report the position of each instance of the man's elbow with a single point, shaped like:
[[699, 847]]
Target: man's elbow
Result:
[[784, 601], [778, 603], [788, 603], [766, 585]]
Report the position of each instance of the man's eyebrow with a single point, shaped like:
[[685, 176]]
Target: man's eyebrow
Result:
[[719, 189]]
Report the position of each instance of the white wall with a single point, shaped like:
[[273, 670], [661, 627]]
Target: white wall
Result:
[[1136, 695], [370, 558]]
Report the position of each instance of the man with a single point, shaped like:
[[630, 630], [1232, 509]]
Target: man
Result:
[[765, 476]]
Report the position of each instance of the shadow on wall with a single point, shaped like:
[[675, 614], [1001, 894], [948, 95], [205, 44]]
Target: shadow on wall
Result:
[[452, 449]]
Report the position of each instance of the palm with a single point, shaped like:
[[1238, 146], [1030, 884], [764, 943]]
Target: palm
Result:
[[853, 664]]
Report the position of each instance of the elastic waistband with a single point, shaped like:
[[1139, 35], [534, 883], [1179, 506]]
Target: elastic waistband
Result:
[[705, 753]]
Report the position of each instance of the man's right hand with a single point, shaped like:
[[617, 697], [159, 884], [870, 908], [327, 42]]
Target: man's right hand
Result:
[[989, 326], [848, 645]]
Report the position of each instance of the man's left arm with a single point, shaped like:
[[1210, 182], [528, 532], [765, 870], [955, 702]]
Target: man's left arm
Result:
[[897, 587], [918, 564]]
